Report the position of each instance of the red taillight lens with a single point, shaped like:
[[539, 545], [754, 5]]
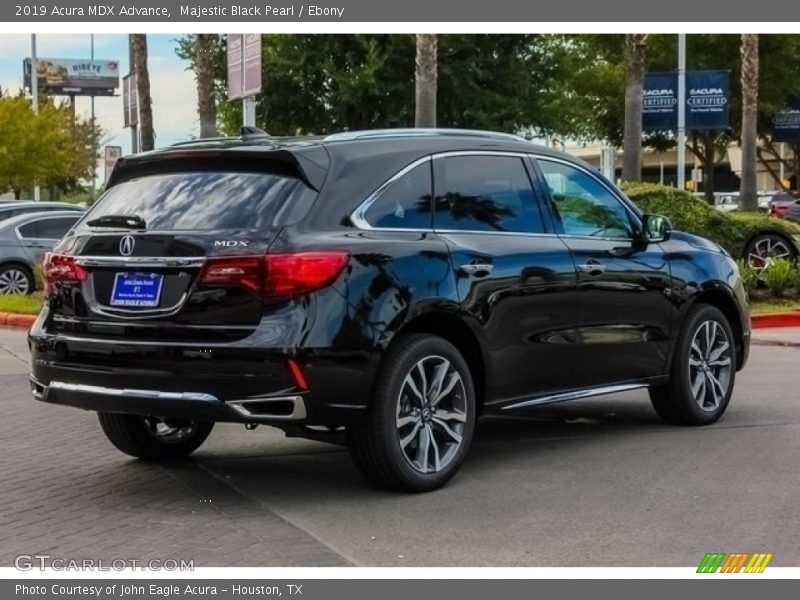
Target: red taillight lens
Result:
[[58, 268], [276, 275], [302, 272]]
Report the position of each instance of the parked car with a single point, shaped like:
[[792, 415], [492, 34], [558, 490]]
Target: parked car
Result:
[[751, 236], [377, 289], [24, 239], [10, 209], [793, 212], [779, 204], [726, 201]]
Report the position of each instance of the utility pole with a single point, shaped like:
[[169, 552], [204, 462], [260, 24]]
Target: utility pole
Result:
[[35, 94], [681, 111], [134, 127], [94, 136]]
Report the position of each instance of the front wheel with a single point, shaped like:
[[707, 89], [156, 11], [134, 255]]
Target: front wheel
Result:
[[153, 438], [703, 370], [421, 417]]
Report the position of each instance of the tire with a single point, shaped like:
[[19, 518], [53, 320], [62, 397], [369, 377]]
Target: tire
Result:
[[761, 248], [400, 426], [701, 379], [16, 279], [149, 438]]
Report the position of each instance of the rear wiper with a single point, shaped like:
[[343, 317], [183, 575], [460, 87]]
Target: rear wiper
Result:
[[126, 221]]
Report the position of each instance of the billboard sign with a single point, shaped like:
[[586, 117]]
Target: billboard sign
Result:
[[74, 77], [244, 65], [111, 155], [706, 101], [786, 123]]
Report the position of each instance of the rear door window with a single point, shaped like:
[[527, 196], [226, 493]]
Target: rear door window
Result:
[[209, 200], [54, 229], [405, 203], [485, 193]]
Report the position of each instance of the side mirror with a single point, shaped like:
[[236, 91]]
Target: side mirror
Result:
[[655, 228]]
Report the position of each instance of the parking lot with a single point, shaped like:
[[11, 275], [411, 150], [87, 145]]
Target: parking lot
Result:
[[595, 483]]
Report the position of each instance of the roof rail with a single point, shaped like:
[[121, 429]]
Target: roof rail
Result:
[[421, 131]]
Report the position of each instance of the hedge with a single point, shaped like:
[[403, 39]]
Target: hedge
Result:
[[692, 214]]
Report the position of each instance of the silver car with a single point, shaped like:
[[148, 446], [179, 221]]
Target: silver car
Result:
[[24, 239]]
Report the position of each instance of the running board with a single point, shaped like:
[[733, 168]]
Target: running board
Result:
[[577, 395]]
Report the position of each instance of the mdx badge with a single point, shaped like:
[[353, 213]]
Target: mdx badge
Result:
[[231, 243], [126, 245]]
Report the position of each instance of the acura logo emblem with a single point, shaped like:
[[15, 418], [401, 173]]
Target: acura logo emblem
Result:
[[126, 245]]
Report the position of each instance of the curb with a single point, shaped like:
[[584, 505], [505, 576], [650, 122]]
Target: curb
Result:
[[783, 319], [16, 320]]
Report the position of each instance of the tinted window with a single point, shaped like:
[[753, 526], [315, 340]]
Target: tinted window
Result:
[[29, 230], [485, 193], [208, 200], [584, 205], [405, 203], [55, 228]]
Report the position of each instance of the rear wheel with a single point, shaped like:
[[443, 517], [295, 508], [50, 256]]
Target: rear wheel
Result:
[[16, 279], [764, 247], [421, 417], [153, 438], [703, 371]]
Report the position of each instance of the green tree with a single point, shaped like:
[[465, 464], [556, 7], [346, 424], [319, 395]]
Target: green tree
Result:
[[635, 52], [138, 43], [45, 147], [425, 80], [204, 73], [749, 75]]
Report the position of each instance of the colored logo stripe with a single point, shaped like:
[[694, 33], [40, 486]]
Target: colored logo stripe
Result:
[[734, 562]]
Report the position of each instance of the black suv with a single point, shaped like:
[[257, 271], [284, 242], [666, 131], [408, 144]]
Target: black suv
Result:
[[380, 289]]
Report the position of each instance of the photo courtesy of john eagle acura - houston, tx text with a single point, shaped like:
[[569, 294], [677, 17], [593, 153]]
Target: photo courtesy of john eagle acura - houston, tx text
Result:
[[377, 289]]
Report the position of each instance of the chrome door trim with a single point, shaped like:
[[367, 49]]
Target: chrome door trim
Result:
[[577, 395]]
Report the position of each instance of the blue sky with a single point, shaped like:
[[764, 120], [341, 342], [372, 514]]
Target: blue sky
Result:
[[172, 86]]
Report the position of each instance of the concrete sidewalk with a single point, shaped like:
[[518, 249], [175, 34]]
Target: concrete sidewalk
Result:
[[14, 356], [777, 336]]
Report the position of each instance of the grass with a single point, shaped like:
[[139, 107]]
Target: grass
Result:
[[20, 304], [774, 305]]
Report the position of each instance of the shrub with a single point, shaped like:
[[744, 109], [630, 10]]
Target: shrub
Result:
[[693, 215], [779, 275], [749, 276]]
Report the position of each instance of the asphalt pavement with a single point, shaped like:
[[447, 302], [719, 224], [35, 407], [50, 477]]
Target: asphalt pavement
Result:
[[596, 483]]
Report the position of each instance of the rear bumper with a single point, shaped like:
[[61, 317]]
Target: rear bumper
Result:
[[196, 406]]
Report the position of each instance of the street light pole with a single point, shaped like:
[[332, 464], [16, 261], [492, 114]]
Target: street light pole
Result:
[[35, 95], [681, 111]]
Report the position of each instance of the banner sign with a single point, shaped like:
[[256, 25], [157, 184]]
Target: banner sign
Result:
[[244, 65], [660, 102], [130, 101], [786, 123], [706, 101], [74, 77]]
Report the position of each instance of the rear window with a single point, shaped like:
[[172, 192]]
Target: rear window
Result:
[[209, 200]]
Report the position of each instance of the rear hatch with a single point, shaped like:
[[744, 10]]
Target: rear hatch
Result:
[[175, 250]]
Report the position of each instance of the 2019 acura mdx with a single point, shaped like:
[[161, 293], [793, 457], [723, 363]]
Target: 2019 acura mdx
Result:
[[381, 289]]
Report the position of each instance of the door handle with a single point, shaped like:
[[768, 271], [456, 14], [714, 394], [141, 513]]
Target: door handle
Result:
[[475, 268], [592, 267]]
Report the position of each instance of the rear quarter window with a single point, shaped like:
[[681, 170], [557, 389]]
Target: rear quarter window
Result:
[[209, 200]]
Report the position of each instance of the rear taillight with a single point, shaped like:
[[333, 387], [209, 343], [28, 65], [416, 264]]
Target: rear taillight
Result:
[[276, 275], [59, 268]]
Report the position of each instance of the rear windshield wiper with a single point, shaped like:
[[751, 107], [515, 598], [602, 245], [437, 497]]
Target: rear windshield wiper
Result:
[[126, 221]]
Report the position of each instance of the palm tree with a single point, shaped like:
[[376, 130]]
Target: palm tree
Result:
[[748, 193], [635, 48], [138, 43], [425, 80], [204, 72]]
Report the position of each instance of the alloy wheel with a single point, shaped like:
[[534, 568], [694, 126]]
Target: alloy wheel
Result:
[[14, 281], [431, 414], [710, 365], [767, 249]]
